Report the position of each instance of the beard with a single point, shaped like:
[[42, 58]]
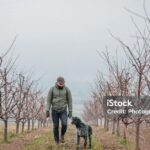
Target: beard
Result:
[[60, 86]]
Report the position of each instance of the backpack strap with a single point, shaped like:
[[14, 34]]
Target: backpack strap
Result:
[[66, 93], [52, 94]]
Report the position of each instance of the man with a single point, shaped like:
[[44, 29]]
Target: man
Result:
[[59, 98]]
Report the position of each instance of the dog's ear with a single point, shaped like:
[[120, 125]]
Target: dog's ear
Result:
[[74, 120], [78, 120]]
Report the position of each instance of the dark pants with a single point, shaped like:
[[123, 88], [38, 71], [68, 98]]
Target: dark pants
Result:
[[56, 115]]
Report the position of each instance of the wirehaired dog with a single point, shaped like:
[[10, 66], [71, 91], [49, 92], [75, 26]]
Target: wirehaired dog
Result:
[[83, 130]]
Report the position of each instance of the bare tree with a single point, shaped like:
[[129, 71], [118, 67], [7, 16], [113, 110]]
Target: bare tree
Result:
[[7, 100]]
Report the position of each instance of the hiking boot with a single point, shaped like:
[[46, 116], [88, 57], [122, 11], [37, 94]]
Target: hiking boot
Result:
[[57, 142], [62, 139]]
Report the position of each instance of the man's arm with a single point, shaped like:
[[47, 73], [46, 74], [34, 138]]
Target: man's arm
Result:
[[69, 98], [49, 99]]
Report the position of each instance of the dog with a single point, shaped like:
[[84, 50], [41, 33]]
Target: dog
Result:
[[83, 130]]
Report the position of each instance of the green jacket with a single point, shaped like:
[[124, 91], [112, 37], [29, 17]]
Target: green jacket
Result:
[[59, 99]]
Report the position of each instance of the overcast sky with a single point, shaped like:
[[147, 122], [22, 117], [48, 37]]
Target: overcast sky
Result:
[[60, 37]]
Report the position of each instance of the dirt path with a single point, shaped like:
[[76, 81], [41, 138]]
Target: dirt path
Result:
[[46, 142], [108, 141], [42, 139]]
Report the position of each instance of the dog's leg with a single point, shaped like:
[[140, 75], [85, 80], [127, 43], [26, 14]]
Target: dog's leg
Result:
[[78, 140], [85, 141], [90, 141]]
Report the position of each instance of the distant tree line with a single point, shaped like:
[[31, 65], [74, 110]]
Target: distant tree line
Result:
[[21, 99]]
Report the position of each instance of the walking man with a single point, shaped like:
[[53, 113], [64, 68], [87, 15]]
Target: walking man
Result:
[[58, 100]]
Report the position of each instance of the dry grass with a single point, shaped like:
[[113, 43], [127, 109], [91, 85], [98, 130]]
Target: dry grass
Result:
[[42, 139], [109, 141], [46, 142], [11, 133]]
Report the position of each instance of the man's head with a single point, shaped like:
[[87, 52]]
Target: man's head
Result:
[[60, 82]]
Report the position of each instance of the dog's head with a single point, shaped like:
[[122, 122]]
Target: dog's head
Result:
[[76, 121]]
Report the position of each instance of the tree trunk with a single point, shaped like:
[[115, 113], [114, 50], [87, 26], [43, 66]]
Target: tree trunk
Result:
[[125, 132], [22, 127], [107, 125], [118, 127], [6, 130], [137, 139], [44, 123], [5, 104], [41, 123], [17, 126], [28, 124], [32, 124], [38, 123], [113, 128]]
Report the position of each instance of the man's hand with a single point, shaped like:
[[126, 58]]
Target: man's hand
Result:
[[47, 114], [70, 114]]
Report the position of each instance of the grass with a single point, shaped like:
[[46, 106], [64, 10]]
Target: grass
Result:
[[37, 143], [11, 133], [46, 142], [42, 142], [103, 130], [125, 143], [95, 144]]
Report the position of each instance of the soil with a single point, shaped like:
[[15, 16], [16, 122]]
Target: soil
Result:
[[102, 140]]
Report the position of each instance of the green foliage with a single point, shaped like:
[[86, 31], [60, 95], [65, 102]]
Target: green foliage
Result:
[[40, 143], [125, 143], [11, 134], [46, 142], [95, 144]]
